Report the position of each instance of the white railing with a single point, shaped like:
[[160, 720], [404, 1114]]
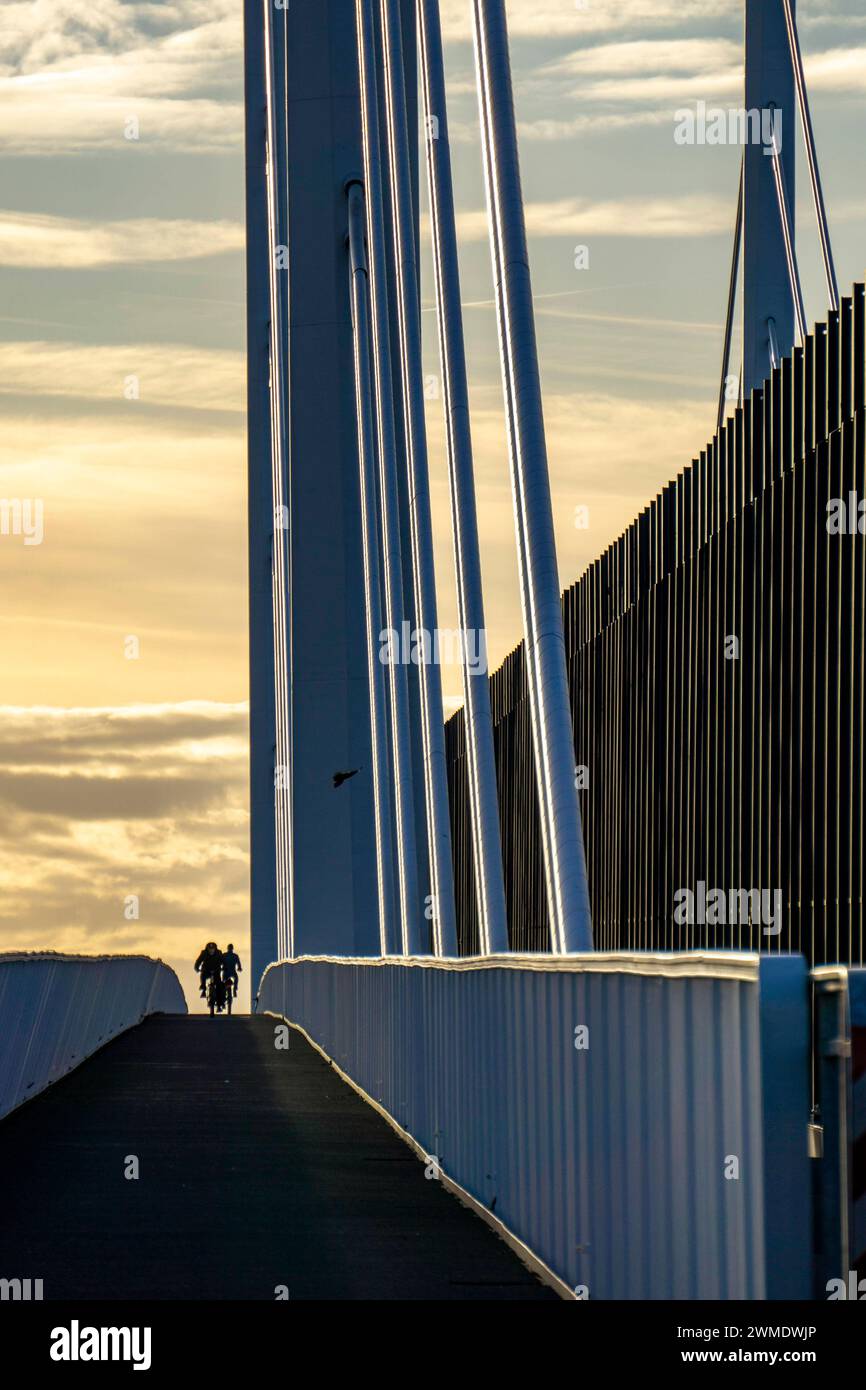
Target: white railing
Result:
[[56, 1010], [638, 1123]]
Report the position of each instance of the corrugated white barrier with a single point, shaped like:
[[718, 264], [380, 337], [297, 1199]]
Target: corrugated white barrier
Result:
[[56, 1010], [637, 1122], [857, 999]]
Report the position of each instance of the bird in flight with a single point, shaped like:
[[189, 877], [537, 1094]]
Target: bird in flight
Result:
[[341, 777]]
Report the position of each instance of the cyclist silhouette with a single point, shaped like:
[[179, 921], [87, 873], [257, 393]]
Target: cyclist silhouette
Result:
[[209, 962], [231, 966]]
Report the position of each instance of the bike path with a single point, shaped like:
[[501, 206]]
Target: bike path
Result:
[[257, 1168]]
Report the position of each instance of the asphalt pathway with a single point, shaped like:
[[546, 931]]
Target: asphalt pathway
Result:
[[257, 1168]]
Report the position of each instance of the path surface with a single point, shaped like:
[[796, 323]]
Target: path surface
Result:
[[257, 1168]]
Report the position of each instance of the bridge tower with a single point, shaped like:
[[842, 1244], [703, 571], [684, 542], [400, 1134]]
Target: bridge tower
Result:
[[768, 308], [342, 571], [313, 858], [774, 315]]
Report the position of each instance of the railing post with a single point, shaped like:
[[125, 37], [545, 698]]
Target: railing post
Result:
[[832, 1183]]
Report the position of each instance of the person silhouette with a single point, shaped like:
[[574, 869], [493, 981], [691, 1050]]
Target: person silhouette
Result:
[[209, 962], [231, 966]]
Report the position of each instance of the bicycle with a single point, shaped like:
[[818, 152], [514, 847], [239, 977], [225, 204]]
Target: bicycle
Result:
[[216, 995]]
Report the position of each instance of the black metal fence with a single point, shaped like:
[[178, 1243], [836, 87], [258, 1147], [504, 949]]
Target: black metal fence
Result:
[[716, 664]]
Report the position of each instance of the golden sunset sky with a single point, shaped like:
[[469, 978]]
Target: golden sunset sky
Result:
[[122, 377]]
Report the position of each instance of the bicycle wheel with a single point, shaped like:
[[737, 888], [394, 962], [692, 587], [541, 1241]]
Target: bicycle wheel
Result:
[[228, 998]]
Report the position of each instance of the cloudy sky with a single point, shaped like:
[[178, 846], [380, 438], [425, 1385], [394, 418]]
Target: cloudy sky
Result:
[[124, 681]]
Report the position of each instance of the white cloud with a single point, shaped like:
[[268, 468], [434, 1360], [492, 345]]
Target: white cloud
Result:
[[659, 70], [40, 33], [52, 120], [167, 374], [563, 128], [66, 243], [553, 18], [670, 89], [691, 215], [74, 71], [837, 70], [648, 55], [700, 65]]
